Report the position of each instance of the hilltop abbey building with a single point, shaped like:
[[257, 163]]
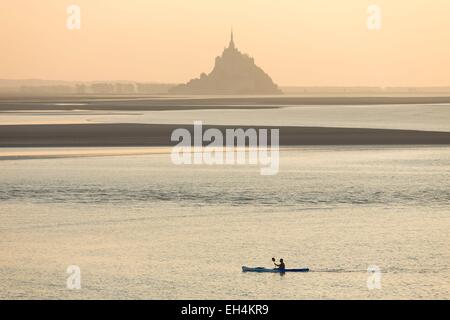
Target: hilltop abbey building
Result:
[[233, 73]]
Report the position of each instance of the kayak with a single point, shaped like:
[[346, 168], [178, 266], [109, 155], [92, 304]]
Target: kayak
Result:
[[276, 270]]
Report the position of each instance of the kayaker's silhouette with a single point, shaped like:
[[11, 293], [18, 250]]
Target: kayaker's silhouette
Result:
[[281, 265]]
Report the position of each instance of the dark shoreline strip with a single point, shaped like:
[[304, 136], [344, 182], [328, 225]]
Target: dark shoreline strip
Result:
[[123, 135], [196, 103]]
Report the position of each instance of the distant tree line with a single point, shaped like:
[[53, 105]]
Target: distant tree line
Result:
[[98, 88]]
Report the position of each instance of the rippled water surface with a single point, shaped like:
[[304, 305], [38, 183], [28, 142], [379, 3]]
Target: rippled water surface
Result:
[[141, 227]]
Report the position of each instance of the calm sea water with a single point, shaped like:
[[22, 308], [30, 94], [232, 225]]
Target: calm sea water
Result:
[[412, 117], [141, 227]]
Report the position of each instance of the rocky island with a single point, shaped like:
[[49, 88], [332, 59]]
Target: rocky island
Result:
[[234, 73]]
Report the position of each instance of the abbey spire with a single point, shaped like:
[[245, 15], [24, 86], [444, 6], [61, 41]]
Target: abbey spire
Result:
[[232, 46]]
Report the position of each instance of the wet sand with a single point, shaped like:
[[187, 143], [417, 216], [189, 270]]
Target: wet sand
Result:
[[155, 103], [158, 135]]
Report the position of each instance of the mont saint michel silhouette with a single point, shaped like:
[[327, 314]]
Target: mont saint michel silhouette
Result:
[[234, 73]]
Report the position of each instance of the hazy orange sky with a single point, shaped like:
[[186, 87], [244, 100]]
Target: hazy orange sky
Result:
[[297, 42]]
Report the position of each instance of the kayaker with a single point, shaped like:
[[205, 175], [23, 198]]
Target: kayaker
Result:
[[281, 265]]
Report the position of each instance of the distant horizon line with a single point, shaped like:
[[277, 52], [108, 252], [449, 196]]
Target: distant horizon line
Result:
[[176, 83]]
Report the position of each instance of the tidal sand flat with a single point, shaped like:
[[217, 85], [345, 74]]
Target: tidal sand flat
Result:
[[186, 102], [113, 135]]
